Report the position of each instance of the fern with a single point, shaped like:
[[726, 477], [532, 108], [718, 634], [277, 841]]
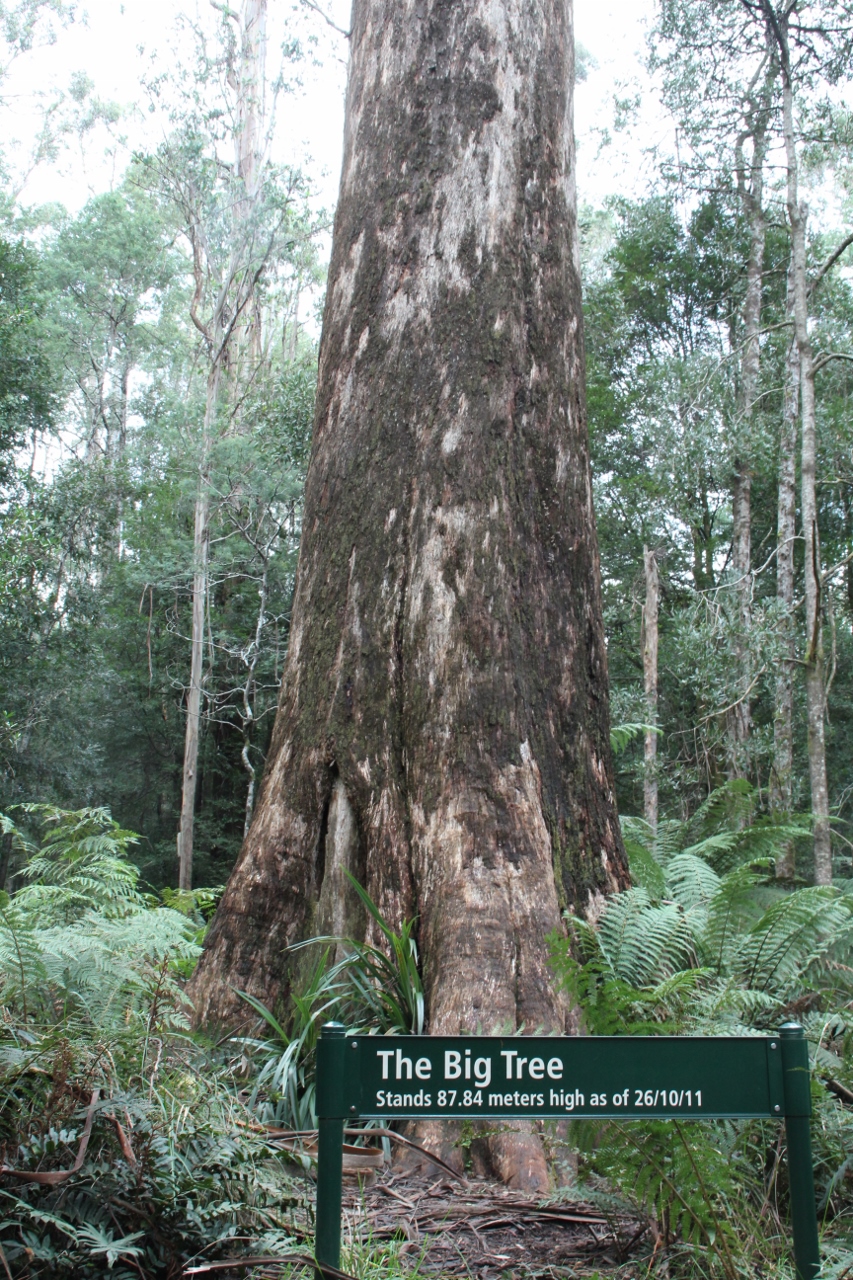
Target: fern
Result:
[[91, 986], [622, 735], [708, 942], [644, 941]]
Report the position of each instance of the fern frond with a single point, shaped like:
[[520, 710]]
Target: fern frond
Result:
[[642, 941], [694, 886], [790, 937]]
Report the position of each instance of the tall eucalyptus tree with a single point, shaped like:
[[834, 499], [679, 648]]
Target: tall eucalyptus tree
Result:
[[443, 724]]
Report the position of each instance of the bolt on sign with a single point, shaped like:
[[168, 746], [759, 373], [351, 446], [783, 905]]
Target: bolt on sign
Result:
[[512, 1077]]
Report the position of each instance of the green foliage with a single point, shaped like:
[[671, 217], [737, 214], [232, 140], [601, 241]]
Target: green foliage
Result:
[[370, 990], [707, 942], [92, 1000], [28, 399], [96, 561]]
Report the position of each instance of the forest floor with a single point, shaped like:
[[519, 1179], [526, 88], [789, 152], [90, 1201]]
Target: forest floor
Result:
[[482, 1229]]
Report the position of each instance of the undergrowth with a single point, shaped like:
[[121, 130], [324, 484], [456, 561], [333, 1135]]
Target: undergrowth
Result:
[[95, 1040], [177, 1166], [708, 942]]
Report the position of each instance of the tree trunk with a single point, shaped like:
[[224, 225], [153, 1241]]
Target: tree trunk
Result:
[[740, 714], [443, 725], [201, 548], [249, 156], [650, 679], [781, 777], [5, 858], [813, 661], [752, 196], [234, 350]]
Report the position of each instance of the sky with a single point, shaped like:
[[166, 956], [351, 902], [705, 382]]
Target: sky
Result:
[[114, 43]]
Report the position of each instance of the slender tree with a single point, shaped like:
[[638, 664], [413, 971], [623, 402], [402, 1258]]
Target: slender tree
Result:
[[650, 682], [443, 723], [817, 42], [231, 331], [749, 171], [782, 775]]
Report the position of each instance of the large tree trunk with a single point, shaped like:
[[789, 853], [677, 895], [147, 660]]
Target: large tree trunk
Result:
[[443, 723], [781, 777], [814, 658]]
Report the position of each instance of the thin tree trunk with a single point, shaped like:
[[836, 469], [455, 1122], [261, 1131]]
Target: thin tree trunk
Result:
[[814, 658], [740, 715], [752, 196], [194, 696], [446, 679], [233, 354], [201, 549], [650, 679], [5, 858], [781, 777], [249, 148]]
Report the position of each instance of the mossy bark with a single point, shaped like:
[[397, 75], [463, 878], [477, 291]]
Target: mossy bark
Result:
[[443, 724]]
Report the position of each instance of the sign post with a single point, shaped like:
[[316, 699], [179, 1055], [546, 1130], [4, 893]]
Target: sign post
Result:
[[798, 1110], [605, 1077], [331, 1052]]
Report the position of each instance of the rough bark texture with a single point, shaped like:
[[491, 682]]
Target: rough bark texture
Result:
[[443, 723], [650, 681]]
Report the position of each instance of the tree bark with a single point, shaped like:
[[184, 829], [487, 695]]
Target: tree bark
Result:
[[781, 777], [443, 726], [650, 680], [814, 658], [201, 550], [751, 191]]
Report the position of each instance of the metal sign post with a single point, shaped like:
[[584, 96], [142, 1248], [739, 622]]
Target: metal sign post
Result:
[[604, 1077]]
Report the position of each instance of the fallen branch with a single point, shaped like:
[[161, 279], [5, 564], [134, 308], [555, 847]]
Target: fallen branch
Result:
[[56, 1179], [407, 1142], [841, 1091], [123, 1140], [284, 1134]]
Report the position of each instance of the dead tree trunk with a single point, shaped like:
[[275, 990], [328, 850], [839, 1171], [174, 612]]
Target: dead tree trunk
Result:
[[443, 723], [650, 680]]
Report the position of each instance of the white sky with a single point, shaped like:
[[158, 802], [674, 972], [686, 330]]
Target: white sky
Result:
[[107, 49]]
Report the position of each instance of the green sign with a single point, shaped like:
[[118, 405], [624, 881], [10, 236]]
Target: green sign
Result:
[[626, 1077]]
